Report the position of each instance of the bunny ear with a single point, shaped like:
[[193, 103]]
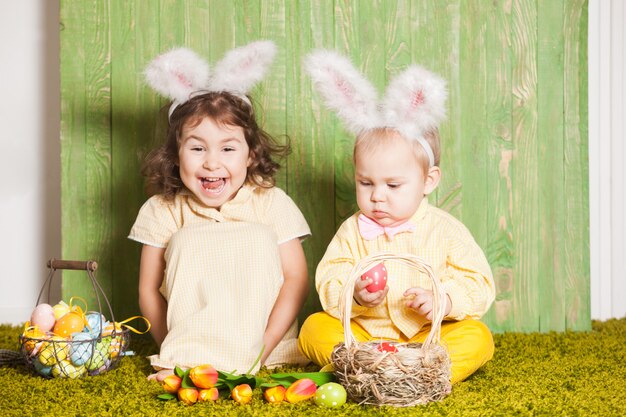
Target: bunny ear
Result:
[[344, 89], [415, 101], [243, 67], [177, 73]]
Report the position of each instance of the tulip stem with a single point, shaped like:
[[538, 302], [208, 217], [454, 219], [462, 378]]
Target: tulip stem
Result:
[[258, 358]]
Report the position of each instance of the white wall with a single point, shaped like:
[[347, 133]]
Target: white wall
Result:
[[607, 156], [30, 153]]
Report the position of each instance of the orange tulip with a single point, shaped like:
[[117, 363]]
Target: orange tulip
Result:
[[203, 376], [302, 389], [242, 394], [171, 383], [188, 395], [210, 394], [274, 394]]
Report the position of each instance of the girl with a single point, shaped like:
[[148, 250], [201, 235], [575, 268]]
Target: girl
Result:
[[222, 272]]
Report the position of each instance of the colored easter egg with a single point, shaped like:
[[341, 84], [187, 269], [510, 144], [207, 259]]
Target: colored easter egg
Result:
[[32, 339], [53, 351], [330, 395], [65, 369], [42, 369], [116, 346], [81, 348], [95, 322], [386, 347], [43, 317], [99, 357], [37, 349], [60, 309], [70, 323], [109, 327], [378, 275]]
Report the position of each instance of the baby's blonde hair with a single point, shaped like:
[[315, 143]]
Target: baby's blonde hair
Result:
[[380, 136]]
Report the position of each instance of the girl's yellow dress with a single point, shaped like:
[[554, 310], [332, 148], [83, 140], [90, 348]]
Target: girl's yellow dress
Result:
[[222, 275]]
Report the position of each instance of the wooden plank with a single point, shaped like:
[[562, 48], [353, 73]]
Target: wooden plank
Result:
[[397, 42], [550, 163], [134, 43], [93, 162], [312, 130], [98, 138], [250, 23], [172, 29], [270, 22], [201, 19], [220, 30], [73, 149], [576, 181], [435, 45], [524, 166], [500, 149], [348, 43], [472, 152]]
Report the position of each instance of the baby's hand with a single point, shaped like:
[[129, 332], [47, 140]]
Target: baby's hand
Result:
[[366, 298], [422, 302]]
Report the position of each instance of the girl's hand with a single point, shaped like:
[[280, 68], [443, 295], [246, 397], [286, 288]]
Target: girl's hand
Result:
[[422, 302], [365, 298]]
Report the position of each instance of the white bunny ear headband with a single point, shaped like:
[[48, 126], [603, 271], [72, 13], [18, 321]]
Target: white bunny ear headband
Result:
[[414, 101], [180, 73]]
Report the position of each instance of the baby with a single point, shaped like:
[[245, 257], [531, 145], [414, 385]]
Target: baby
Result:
[[396, 158]]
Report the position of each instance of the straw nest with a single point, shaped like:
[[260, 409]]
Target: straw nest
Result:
[[417, 373]]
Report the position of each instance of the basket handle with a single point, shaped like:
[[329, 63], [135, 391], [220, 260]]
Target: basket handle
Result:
[[76, 265], [90, 266], [347, 293]]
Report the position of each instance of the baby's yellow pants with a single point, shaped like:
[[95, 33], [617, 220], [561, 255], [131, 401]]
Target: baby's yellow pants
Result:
[[469, 342]]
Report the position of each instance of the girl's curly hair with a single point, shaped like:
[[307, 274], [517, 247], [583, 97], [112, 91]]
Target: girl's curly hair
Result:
[[161, 165]]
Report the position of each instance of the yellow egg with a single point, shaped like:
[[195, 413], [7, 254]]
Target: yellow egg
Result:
[[70, 323], [60, 309], [65, 369], [53, 351]]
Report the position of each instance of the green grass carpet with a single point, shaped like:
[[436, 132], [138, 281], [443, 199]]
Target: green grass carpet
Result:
[[553, 374]]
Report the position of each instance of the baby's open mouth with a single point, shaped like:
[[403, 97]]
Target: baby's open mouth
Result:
[[213, 185]]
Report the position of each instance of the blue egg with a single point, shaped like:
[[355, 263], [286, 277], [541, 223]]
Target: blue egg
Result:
[[42, 369], [96, 322], [81, 348]]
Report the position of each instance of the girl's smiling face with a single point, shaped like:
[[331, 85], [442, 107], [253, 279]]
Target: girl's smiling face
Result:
[[213, 161]]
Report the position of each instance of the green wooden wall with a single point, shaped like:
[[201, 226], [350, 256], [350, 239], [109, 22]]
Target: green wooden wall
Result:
[[514, 146]]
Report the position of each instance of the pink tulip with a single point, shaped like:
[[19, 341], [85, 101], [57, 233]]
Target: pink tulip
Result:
[[302, 389]]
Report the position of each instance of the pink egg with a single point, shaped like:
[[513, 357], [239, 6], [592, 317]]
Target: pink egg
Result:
[[378, 275], [43, 317]]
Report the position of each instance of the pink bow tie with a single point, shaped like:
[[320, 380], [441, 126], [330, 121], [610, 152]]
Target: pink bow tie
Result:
[[370, 230]]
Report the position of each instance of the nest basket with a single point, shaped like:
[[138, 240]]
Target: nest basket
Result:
[[83, 353], [410, 374]]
